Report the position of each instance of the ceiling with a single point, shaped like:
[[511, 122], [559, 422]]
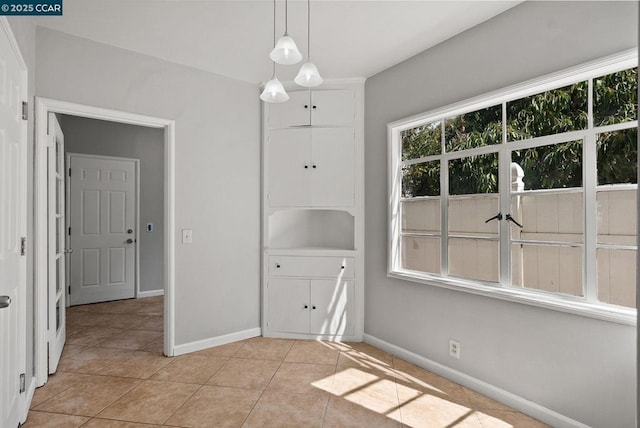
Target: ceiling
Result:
[[233, 38]]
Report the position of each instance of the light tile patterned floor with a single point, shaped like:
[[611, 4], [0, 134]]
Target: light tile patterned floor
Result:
[[112, 374]]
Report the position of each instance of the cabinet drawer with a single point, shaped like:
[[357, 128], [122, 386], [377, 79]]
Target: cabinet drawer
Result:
[[332, 267]]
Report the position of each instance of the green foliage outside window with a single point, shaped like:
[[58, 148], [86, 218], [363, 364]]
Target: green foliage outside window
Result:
[[615, 98], [475, 129], [547, 167], [474, 174], [551, 112], [422, 141], [618, 157], [421, 179], [556, 166]]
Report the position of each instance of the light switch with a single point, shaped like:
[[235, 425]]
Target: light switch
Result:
[[149, 227], [187, 236]]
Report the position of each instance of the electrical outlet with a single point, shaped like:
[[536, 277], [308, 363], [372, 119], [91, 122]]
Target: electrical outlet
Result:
[[454, 349]]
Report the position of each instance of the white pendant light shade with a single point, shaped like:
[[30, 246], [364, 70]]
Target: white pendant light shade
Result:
[[286, 52], [274, 92], [308, 76]]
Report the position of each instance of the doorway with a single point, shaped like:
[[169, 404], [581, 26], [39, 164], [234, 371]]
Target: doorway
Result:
[[41, 278]]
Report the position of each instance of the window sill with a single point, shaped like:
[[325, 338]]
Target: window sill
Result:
[[615, 314]]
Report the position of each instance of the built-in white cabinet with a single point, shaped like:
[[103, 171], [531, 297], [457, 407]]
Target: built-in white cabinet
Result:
[[311, 167], [317, 108], [311, 306], [312, 221]]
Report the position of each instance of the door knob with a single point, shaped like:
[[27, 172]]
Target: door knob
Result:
[[68, 251], [129, 241], [4, 301]]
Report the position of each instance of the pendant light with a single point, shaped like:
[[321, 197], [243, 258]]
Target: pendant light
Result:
[[286, 52], [308, 76], [273, 91]]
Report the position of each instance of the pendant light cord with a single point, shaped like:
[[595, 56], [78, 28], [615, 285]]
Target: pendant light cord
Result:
[[286, 18], [274, 35], [308, 30]]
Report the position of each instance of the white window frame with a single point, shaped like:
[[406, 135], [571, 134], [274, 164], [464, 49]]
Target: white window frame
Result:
[[585, 306]]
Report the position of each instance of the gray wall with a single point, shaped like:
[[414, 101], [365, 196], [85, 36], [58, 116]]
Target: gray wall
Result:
[[99, 137], [217, 163], [25, 34], [580, 367]]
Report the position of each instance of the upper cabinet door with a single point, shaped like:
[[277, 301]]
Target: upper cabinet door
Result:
[[295, 112], [289, 165], [333, 107], [332, 167]]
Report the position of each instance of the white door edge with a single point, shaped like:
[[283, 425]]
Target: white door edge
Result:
[[24, 400], [44, 106]]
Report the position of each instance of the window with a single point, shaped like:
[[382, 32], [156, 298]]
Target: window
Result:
[[526, 194]]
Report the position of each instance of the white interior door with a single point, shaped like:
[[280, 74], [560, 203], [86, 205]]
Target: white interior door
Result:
[[56, 332], [102, 210], [13, 210]]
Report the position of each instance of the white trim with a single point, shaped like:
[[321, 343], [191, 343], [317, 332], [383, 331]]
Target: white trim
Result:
[[523, 405], [150, 293], [199, 345], [136, 162], [620, 315], [42, 107]]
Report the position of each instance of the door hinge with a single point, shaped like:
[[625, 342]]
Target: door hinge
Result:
[[25, 110], [23, 246], [23, 383], [69, 231], [69, 172], [69, 289]]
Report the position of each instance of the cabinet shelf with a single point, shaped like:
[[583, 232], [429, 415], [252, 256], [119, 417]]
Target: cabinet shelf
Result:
[[311, 229]]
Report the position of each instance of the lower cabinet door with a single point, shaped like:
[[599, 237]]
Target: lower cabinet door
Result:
[[289, 305], [332, 306]]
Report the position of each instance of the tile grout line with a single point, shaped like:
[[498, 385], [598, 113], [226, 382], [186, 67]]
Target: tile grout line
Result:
[[335, 372], [182, 405], [244, 421], [395, 381]]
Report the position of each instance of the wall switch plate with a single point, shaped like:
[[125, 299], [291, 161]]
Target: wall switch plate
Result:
[[149, 227], [187, 236], [454, 349]]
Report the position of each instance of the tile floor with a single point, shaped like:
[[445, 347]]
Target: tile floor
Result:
[[112, 374]]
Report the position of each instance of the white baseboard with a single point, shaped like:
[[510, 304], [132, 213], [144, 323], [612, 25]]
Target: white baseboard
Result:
[[199, 345], [150, 293], [516, 402]]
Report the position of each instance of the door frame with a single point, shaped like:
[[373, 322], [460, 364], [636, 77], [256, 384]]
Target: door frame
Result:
[[136, 215], [44, 106]]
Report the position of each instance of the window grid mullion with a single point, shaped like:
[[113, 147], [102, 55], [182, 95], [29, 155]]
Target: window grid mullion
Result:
[[444, 210], [589, 183], [504, 188]]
